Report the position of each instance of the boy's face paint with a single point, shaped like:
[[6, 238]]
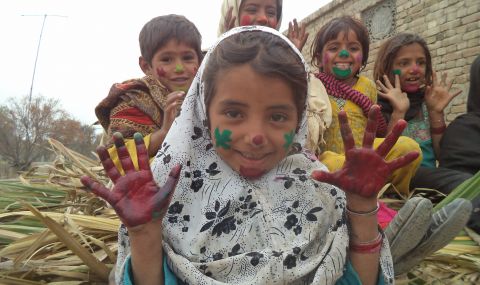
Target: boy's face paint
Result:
[[174, 65], [342, 56], [259, 12], [259, 116], [179, 68], [161, 72], [410, 63]]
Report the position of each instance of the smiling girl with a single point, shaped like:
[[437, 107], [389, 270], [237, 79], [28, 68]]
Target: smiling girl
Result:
[[249, 204]]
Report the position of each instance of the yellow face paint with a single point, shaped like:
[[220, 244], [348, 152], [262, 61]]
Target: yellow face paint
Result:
[[179, 68]]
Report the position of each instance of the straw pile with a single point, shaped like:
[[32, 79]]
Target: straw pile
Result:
[[53, 232]]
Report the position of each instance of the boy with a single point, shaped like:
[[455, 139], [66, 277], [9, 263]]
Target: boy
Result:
[[171, 53]]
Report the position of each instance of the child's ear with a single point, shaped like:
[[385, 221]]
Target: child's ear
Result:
[[319, 61], [144, 65]]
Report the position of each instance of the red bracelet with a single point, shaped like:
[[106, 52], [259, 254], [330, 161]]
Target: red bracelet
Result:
[[438, 130], [372, 246]]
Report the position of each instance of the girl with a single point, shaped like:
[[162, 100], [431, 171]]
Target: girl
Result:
[[416, 96], [268, 13], [419, 98], [340, 51], [246, 210]]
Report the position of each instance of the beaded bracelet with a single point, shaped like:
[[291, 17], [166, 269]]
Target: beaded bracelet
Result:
[[438, 130], [363, 214], [371, 246]]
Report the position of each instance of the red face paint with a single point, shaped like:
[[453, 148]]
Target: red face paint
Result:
[[245, 21], [251, 173], [257, 140], [272, 24], [161, 72], [262, 21]]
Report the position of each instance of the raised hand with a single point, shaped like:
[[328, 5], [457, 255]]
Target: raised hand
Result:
[[393, 93], [297, 35], [365, 170], [437, 95], [135, 196]]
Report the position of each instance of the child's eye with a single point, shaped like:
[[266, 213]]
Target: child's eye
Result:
[[233, 114], [279, 118], [166, 59], [272, 13], [422, 62], [332, 48], [354, 48], [188, 57], [251, 9]]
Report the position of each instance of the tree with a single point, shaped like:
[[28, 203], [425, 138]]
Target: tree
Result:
[[25, 127]]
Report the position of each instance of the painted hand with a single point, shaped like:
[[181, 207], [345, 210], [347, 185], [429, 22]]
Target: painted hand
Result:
[[297, 35], [394, 94], [229, 20], [365, 170], [135, 197], [437, 95]]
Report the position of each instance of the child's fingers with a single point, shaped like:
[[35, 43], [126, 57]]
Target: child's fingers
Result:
[[169, 186], [96, 187], [397, 81], [391, 138], [123, 154], [381, 86], [434, 77], [108, 164], [371, 128], [322, 176], [402, 161], [347, 136], [444, 79], [142, 153], [387, 82], [295, 24]]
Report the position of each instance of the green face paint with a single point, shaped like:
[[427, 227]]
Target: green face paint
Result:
[[178, 68], [344, 53], [288, 139], [222, 139], [397, 72], [341, 73]]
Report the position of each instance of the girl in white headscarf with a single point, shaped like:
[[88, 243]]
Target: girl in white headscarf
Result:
[[249, 207]]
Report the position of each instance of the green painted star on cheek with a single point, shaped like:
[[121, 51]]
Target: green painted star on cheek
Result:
[[397, 72], [288, 139], [223, 139]]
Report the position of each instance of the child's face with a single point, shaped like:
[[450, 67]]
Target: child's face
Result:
[[252, 125], [410, 62], [342, 56], [258, 12], [174, 65]]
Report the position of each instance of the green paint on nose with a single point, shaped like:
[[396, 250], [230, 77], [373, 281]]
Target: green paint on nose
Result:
[[178, 68], [344, 53], [397, 72]]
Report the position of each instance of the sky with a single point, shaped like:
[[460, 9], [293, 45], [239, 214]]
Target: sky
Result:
[[88, 45]]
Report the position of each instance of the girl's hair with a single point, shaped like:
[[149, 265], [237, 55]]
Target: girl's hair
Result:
[[333, 28], [267, 54], [388, 52], [158, 31]]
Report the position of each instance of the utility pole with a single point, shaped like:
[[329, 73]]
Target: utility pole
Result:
[[38, 49], [29, 106]]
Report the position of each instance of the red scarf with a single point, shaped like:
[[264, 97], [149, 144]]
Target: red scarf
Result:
[[341, 90]]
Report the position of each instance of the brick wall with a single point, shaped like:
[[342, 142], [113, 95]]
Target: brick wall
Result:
[[450, 27]]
